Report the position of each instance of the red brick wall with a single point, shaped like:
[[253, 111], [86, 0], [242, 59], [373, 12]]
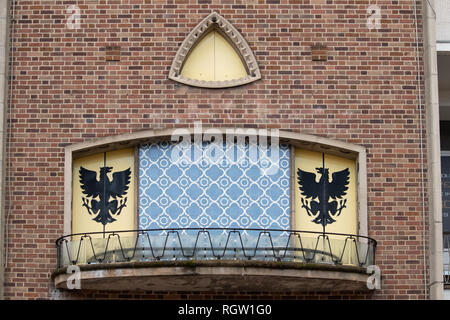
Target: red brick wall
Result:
[[64, 92]]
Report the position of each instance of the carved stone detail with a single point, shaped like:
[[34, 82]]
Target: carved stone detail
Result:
[[215, 21]]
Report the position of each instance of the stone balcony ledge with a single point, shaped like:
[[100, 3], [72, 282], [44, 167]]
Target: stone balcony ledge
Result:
[[216, 259], [217, 275]]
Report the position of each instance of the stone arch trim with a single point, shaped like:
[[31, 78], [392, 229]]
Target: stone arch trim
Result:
[[230, 33]]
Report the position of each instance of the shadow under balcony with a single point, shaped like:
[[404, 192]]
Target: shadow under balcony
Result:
[[215, 259]]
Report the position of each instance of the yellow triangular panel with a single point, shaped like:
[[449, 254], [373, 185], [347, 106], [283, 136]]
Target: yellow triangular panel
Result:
[[213, 59], [214, 55]]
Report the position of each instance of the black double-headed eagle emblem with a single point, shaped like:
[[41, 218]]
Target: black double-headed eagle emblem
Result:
[[104, 209], [317, 195]]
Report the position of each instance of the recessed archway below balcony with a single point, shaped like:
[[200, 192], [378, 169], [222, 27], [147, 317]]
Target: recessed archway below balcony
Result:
[[217, 276]]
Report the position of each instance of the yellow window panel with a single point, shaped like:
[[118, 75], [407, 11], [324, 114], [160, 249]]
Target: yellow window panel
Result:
[[228, 64], [341, 213], [346, 220], [200, 63], [111, 206], [213, 59]]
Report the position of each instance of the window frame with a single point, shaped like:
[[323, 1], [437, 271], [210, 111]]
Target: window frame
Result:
[[215, 21]]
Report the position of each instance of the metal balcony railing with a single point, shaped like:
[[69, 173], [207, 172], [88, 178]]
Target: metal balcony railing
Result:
[[216, 244]]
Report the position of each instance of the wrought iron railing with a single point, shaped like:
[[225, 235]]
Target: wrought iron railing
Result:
[[216, 244]]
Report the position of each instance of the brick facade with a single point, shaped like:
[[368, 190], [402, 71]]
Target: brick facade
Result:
[[68, 88]]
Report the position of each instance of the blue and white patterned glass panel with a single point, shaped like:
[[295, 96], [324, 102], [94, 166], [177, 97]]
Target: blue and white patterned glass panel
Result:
[[205, 194]]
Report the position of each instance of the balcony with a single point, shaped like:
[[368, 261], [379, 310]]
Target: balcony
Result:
[[216, 259]]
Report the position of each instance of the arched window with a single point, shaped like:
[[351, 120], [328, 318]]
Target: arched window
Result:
[[292, 189], [231, 183], [213, 59]]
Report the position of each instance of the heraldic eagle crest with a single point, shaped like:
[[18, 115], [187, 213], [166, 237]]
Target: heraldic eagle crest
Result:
[[104, 210], [319, 206]]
